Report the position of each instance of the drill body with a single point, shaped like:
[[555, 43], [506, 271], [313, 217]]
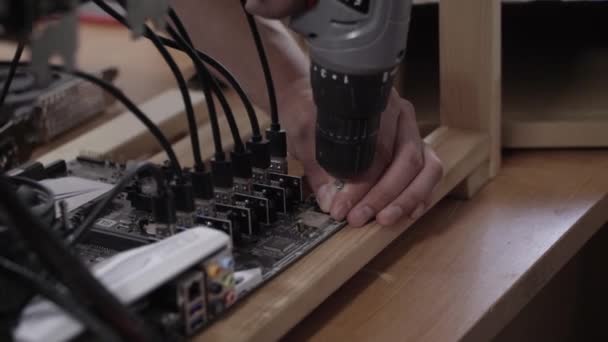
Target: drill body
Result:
[[356, 47]]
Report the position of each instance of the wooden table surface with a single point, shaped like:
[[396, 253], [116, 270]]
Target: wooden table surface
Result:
[[467, 267]]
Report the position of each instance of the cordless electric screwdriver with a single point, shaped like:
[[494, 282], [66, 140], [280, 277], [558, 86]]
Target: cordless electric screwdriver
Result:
[[355, 47]]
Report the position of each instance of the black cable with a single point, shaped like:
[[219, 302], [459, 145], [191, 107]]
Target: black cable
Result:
[[183, 38], [272, 96], [181, 82], [234, 128], [132, 107], [70, 270], [58, 294], [234, 83], [195, 55], [213, 118], [194, 140], [11, 72], [120, 96], [183, 85], [80, 232]]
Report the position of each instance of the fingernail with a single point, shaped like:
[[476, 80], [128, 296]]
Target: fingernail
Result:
[[418, 211], [361, 216], [341, 210], [325, 196], [391, 214]]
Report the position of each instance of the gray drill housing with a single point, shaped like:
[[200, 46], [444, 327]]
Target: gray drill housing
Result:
[[349, 41]]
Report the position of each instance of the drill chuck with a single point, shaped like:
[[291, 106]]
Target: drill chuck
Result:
[[349, 109]]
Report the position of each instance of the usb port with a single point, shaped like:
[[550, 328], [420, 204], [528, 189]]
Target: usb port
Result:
[[195, 324], [196, 308]]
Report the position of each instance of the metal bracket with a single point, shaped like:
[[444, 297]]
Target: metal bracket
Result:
[[139, 11], [59, 38]]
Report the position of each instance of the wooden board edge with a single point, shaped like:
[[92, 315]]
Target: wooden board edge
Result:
[[470, 70], [124, 137], [270, 312], [555, 134], [473, 183], [513, 300]]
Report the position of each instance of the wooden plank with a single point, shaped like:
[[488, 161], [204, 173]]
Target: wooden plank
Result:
[[554, 314], [470, 64], [124, 137], [274, 309], [468, 267], [554, 133], [473, 183]]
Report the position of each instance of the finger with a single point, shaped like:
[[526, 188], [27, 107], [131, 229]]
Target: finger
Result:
[[275, 9], [352, 192], [355, 190], [413, 201], [406, 165], [322, 184]]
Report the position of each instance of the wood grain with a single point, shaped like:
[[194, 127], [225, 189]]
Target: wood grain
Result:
[[470, 62], [464, 270], [126, 138]]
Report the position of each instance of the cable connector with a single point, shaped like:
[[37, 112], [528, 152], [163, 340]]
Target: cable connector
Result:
[[184, 196], [243, 171], [278, 143], [260, 153], [278, 150], [242, 164], [222, 172], [202, 182], [165, 211]]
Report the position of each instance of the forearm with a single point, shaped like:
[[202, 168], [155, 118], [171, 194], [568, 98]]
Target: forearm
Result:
[[220, 29]]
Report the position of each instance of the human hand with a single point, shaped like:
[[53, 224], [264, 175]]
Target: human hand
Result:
[[402, 176], [276, 9]]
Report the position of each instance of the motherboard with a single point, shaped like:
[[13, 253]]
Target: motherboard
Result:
[[270, 223]]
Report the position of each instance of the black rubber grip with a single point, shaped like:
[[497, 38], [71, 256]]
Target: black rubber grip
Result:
[[349, 109]]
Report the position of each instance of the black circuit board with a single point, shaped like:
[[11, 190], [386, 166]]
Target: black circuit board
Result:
[[272, 249]]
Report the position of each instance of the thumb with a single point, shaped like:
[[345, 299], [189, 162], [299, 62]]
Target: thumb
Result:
[[275, 9], [323, 185]]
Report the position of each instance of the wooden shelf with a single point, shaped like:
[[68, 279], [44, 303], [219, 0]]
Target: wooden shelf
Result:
[[466, 269], [559, 104], [555, 84], [563, 104]]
